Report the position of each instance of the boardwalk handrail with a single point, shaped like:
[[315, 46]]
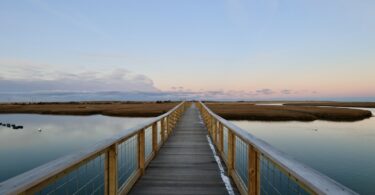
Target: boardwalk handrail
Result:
[[254, 164], [111, 166]]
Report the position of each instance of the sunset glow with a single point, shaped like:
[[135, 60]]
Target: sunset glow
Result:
[[295, 49]]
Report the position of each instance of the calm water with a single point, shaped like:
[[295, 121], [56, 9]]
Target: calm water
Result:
[[345, 151], [24, 149]]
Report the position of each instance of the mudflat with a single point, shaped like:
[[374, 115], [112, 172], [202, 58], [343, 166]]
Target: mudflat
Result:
[[251, 111], [124, 109]]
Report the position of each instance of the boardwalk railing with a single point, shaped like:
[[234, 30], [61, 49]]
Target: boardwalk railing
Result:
[[258, 168], [109, 167]]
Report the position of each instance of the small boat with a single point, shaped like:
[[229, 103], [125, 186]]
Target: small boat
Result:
[[39, 130]]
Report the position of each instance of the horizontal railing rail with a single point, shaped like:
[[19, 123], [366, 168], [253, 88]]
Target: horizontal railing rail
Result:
[[256, 167], [111, 166]]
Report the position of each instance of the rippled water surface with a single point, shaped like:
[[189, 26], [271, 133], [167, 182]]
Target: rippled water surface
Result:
[[47, 137], [345, 151]]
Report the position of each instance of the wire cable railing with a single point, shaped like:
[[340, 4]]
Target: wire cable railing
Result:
[[111, 166], [256, 167]]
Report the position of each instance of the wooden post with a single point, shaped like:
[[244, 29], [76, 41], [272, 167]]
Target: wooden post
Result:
[[178, 113], [173, 120], [214, 129], [221, 138], [155, 137], [231, 151], [208, 121], [141, 151], [170, 119], [217, 134], [210, 125], [168, 125], [110, 185], [205, 117], [163, 129], [253, 165]]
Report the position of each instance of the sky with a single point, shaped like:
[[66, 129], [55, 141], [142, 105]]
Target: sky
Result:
[[216, 49]]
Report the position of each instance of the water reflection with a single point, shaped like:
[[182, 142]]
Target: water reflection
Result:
[[24, 149], [342, 150]]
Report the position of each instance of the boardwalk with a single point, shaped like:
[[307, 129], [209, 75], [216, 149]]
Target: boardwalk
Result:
[[185, 163]]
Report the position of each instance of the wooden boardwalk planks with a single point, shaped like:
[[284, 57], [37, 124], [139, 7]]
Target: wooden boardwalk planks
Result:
[[185, 163]]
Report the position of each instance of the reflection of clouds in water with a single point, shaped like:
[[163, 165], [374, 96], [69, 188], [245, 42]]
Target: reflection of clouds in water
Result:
[[21, 150], [62, 129], [337, 149]]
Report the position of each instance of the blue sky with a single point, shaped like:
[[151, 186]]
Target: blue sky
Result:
[[242, 48]]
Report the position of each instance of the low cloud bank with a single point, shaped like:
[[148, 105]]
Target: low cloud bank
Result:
[[141, 96], [28, 84], [116, 80], [261, 95]]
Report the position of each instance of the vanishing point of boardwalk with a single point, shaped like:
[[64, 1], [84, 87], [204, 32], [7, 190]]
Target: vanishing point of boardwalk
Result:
[[185, 163]]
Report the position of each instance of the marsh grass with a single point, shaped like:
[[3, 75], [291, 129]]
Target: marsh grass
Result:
[[249, 111], [124, 109]]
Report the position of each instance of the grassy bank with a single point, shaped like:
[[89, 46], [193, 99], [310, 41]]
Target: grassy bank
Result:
[[249, 111], [125, 109]]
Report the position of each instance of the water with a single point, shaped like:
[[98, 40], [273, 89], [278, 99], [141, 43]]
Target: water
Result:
[[27, 148], [345, 151]]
